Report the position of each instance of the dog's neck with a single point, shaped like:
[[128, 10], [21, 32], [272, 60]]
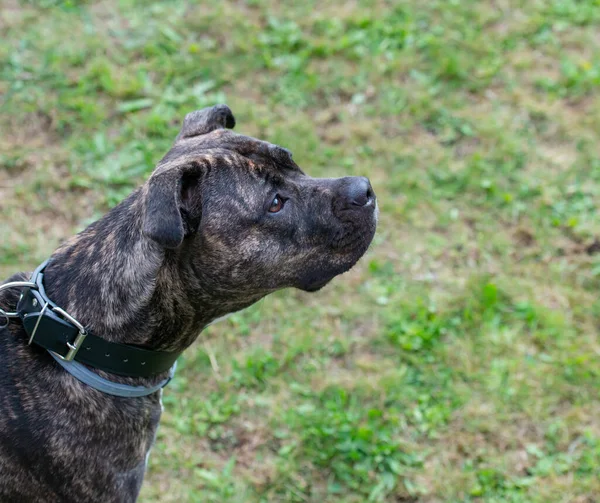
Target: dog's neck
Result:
[[125, 288]]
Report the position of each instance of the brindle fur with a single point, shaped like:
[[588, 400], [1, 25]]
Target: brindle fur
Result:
[[194, 243]]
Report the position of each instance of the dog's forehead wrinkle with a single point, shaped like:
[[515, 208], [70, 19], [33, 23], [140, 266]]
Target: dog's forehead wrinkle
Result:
[[196, 160], [231, 149]]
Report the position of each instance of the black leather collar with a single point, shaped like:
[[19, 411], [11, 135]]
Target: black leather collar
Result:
[[54, 329]]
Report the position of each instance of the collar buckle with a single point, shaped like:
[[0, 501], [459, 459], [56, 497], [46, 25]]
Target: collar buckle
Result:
[[73, 347], [76, 345]]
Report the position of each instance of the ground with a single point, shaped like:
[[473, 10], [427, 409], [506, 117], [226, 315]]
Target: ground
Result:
[[460, 360]]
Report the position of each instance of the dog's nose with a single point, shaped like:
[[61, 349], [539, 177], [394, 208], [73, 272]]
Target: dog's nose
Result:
[[358, 192]]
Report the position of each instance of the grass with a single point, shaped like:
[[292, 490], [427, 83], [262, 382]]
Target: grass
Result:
[[459, 361]]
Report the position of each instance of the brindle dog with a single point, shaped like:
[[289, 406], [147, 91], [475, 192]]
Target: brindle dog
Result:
[[223, 220]]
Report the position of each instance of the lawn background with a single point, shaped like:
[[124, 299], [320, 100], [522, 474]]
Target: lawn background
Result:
[[460, 360]]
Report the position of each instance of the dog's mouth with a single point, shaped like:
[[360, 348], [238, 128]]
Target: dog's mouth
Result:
[[356, 230], [348, 248], [315, 279], [315, 287]]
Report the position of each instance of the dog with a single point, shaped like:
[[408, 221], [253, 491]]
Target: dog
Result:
[[223, 220]]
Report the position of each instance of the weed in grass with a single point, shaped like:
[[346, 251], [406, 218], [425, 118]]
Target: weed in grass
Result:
[[357, 446]]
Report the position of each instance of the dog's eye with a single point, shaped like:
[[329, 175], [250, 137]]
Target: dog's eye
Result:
[[276, 204]]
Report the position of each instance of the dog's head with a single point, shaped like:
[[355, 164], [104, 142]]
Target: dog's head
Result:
[[240, 215]]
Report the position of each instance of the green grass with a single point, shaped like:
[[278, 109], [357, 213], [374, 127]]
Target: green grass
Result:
[[460, 360]]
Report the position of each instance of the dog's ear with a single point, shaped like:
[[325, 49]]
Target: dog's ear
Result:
[[206, 120], [173, 207]]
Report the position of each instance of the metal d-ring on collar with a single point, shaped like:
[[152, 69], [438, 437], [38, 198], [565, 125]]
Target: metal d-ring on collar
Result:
[[76, 369], [13, 284]]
